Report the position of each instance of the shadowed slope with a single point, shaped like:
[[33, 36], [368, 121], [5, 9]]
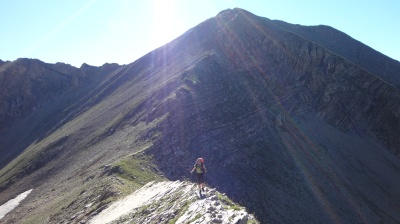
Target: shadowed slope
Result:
[[341, 44], [257, 108]]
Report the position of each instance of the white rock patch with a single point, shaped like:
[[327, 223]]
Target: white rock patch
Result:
[[173, 202], [148, 193]]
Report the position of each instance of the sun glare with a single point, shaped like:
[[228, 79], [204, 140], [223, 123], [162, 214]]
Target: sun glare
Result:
[[165, 22]]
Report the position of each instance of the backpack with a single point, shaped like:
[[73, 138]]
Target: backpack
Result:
[[202, 165]]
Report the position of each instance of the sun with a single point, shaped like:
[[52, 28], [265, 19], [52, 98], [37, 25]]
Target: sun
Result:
[[165, 22]]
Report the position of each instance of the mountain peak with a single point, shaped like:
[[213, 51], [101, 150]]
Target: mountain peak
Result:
[[225, 12], [230, 14]]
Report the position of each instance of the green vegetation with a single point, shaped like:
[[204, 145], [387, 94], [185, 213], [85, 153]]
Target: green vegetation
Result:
[[252, 221], [135, 171], [228, 202], [225, 199], [236, 207]]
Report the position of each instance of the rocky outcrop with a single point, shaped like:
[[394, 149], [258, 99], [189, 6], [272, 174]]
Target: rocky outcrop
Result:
[[173, 202], [27, 84]]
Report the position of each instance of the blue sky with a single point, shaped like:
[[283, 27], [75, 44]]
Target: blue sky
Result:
[[104, 31]]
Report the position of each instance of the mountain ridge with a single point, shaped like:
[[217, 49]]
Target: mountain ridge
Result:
[[27, 97], [283, 123], [388, 72]]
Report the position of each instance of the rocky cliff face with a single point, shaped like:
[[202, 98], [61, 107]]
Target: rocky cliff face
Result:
[[34, 96], [352, 50], [289, 128]]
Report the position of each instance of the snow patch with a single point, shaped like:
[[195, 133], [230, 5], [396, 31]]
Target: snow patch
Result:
[[150, 192], [13, 203]]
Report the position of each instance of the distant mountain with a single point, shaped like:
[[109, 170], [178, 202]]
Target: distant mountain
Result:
[[297, 124], [33, 95]]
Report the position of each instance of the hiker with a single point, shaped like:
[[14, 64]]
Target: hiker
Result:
[[200, 170]]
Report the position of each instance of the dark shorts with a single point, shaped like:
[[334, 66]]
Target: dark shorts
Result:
[[200, 178]]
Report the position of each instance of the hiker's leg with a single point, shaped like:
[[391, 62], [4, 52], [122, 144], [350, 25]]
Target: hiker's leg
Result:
[[198, 181], [202, 181]]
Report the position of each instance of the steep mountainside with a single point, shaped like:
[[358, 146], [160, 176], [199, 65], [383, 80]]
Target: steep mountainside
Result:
[[289, 128], [349, 48], [34, 96]]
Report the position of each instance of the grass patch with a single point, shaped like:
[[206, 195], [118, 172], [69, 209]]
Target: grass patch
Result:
[[252, 221], [236, 207], [228, 202], [225, 199], [135, 171]]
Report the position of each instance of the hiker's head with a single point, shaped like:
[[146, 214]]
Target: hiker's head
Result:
[[199, 161]]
